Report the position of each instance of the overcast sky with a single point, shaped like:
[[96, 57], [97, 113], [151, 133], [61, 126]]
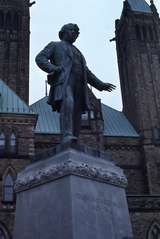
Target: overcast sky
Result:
[[96, 22]]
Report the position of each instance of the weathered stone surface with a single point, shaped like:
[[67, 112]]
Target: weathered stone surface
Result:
[[71, 162], [73, 204]]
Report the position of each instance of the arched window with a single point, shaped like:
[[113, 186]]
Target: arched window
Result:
[[154, 231], [8, 190], [2, 235], [13, 144], [3, 232], [2, 143]]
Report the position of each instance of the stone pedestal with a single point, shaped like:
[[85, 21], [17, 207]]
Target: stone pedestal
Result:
[[72, 195]]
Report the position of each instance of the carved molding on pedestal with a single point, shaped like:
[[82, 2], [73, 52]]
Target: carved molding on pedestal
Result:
[[111, 174]]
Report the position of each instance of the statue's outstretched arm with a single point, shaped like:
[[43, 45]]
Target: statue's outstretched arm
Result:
[[98, 84]]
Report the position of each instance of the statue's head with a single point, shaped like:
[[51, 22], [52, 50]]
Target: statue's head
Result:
[[69, 32]]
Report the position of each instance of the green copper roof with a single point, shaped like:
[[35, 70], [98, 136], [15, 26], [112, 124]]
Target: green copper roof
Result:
[[139, 6], [10, 102], [115, 122], [48, 121]]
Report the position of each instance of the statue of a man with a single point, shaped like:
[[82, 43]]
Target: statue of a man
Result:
[[68, 76]]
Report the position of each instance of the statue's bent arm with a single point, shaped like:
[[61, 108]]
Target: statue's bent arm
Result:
[[43, 58]]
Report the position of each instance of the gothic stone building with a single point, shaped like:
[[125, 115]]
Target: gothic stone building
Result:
[[131, 136]]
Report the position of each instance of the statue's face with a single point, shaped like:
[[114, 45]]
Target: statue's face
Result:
[[70, 34]]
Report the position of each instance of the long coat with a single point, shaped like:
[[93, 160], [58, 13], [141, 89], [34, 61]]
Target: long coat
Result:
[[60, 54]]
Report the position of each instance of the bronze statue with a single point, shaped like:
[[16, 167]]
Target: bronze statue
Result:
[[68, 76]]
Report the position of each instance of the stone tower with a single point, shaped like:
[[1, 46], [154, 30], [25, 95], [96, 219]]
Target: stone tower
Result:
[[138, 49], [14, 45]]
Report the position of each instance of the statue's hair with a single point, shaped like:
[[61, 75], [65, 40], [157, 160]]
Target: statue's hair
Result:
[[65, 27]]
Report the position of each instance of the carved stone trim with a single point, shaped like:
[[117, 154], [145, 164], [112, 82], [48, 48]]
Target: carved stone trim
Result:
[[144, 203], [64, 167], [123, 147]]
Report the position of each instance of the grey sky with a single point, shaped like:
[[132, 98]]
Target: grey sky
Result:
[[96, 22]]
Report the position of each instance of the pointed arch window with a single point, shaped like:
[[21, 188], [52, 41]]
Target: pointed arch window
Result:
[[8, 188], [2, 234], [154, 231]]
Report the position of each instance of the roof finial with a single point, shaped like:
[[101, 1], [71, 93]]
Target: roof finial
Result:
[[153, 7], [31, 3]]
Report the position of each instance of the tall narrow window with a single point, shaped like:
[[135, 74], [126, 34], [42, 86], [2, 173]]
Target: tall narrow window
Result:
[[85, 121], [151, 34], [1, 20], [138, 33], [144, 33], [15, 22], [156, 135], [155, 33], [86, 118], [8, 191], [92, 115], [8, 21], [13, 144], [2, 143], [154, 232]]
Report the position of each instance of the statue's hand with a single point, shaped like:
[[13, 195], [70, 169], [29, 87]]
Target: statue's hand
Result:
[[108, 87], [51, 75], [58, 69]]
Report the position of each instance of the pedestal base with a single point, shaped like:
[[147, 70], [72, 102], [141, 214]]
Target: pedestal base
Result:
[[72, 196]]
